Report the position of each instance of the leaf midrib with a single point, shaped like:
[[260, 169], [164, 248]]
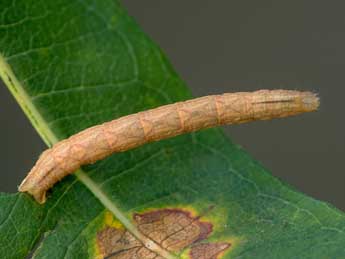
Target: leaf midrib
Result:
[[41, 126]]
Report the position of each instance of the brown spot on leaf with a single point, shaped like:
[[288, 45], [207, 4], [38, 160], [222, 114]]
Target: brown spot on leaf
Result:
[[208, 250], [116, 243], [171, 229]]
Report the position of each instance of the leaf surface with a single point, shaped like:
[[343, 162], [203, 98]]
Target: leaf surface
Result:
[[72, 64]]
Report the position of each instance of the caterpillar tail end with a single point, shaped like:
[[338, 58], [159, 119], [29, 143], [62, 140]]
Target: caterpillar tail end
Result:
[[38, 194], [310, 101]]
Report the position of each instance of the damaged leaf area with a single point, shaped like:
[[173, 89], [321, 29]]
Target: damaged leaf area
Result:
[[173, 230]]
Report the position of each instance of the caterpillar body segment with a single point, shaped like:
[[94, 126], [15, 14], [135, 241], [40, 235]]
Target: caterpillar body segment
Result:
[[119, 135]]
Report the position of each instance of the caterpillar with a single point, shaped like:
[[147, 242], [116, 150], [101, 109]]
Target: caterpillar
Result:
[[119, 135]]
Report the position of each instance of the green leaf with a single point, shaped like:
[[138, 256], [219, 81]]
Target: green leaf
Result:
[[75, 63]]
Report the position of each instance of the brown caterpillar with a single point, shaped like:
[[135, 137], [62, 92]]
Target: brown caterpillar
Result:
[[134, 130]]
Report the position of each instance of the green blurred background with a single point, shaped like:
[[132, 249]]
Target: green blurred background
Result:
[[227, 46]]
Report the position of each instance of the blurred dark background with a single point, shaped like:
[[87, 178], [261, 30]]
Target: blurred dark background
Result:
[[226, 46]]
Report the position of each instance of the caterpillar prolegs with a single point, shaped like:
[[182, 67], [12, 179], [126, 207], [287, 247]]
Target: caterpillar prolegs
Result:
[[134, 130]]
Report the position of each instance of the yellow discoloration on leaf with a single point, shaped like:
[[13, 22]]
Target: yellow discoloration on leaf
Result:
[[215, 214], [173, 230], [111, 221], [108, 220], [219, 217]]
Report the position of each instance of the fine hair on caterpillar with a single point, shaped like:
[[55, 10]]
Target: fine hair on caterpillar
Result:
[[119, 135]]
